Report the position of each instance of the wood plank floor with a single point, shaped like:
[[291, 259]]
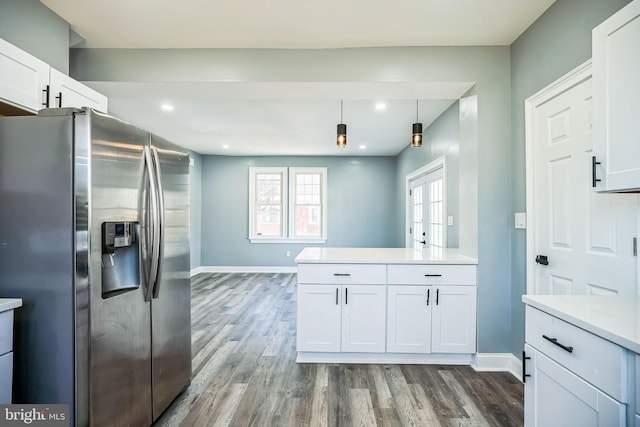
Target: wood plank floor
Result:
[[244, 372]]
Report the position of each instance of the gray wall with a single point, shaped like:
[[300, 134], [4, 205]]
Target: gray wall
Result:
[[360, 207], [195, 205], [440, 139], [556, 43], [31, 26]]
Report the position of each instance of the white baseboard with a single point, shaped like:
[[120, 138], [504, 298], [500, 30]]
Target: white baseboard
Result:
[[385, 358], [493, 362], [241, 269]]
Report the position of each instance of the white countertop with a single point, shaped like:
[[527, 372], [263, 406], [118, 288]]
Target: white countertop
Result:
[[9, 304], [322, 255], [615, 318]]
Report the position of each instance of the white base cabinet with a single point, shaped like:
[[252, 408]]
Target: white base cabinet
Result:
[[398, 311], [572, 377], [431, 319], [555, 397], [341, 318]]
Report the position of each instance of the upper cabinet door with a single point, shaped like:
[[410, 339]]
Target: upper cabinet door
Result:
[[616, 101], [23, 78], [67, 92]]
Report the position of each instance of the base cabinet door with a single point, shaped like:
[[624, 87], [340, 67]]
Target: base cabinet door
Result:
[[319, 313], [454, 319], [363, 318], [409, 319], [555, 397]]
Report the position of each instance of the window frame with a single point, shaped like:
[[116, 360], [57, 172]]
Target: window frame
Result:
[[287, 204]]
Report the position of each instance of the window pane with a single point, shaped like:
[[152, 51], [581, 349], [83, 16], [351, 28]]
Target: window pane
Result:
[[268, 221], [308, 205]]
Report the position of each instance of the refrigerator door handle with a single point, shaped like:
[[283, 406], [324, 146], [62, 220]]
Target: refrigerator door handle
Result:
[[155, 224], [161, 227]]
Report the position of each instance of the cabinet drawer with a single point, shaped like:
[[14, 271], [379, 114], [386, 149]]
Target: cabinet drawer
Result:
[[364, 274], [595, 359], [403, 274], [6, 331]]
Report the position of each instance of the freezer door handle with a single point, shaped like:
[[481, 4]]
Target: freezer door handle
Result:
[[152, 268], [161, 225]]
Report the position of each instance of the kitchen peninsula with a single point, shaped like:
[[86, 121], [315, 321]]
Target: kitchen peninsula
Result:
[[386, 305]]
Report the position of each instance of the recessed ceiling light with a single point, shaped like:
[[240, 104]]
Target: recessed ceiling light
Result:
[[362, 147], [167, 107], [225, 146], [380, 106]]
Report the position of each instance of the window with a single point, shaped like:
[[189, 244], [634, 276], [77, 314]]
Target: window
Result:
[[287, 204]]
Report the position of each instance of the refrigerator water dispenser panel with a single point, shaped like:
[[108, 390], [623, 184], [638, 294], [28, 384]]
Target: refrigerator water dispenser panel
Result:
[[120, 258]]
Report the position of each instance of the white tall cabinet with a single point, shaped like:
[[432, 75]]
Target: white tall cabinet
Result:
[[385, 305], [30, 84], [616, 96]]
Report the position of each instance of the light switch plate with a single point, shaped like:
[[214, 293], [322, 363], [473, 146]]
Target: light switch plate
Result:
[[450, 220], [521, 220]]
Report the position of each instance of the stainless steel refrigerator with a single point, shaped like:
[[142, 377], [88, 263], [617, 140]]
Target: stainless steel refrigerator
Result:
[[94, 237]]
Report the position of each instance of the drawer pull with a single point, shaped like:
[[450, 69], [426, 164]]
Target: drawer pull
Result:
[[433, 275], [342, 274], [555, 341]]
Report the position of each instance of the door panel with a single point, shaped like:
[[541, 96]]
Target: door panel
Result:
[[120, 344], [409, 319], [171, 310], [454, 320], [587, 236], [319, 317], [364, 318]]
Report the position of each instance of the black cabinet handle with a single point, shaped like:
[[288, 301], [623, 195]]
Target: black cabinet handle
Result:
[[524, 366], [593, 171], [428, 294], [346, 296], [46, 91], [437, 295], [555, 342], [337, 296], [59, 98], [433, 275], [342, 274]]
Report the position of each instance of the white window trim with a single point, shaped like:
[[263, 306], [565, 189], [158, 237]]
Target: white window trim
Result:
[[323, 204], [287, 208], [253, 171]]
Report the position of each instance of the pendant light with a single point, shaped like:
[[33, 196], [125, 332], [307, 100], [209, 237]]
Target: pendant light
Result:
[[416, 139], [341, 140]]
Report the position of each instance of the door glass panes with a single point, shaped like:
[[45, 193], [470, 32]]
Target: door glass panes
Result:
[[307, 205], [268, 221], [436, 213], [418, 214]]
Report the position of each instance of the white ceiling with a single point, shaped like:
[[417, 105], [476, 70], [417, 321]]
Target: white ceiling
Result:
[[289, 118]]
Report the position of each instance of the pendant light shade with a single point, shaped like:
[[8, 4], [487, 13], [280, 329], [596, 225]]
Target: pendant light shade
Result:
[[416, 139], [341, 139]]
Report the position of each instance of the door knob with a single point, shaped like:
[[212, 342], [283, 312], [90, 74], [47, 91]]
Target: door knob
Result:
[[542, 260]]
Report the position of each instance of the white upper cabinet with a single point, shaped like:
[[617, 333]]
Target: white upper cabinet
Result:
[[31, 84], [23, 78], [67, 92], [616, 101]]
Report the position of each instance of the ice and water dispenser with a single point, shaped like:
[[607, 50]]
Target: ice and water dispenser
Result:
[[120, 258]]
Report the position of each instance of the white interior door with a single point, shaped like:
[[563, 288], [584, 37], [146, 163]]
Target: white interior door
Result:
[[427, 210], [586, 237]]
